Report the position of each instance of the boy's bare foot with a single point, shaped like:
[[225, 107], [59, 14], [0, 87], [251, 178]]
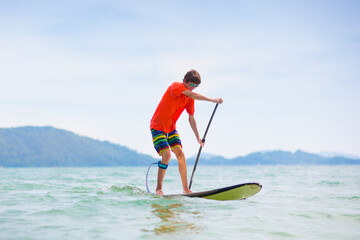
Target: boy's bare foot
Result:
[[187, 191], [159, 192]]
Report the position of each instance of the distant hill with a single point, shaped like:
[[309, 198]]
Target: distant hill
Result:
[[52, 147], [337, 154], [277, 158]]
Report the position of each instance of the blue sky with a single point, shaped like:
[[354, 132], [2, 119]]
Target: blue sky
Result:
[[288, 71]]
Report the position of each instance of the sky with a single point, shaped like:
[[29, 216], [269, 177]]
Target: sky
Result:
[[288, 71]]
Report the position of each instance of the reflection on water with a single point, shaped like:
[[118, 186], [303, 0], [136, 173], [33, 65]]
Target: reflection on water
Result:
[[172, 218]]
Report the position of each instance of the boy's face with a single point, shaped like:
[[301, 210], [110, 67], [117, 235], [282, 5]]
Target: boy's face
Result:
[[190, 85]]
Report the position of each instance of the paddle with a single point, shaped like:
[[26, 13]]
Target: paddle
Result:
[[203, 140]]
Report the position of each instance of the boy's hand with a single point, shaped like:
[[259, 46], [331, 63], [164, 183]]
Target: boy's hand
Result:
[[218, 100], [201, 142]]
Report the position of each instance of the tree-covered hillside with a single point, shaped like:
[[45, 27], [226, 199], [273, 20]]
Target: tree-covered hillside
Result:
[[52, 147]]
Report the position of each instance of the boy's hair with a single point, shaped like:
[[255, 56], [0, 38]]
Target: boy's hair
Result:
[[192, 76]]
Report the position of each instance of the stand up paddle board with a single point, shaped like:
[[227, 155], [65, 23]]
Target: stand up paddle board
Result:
[[236, 192]]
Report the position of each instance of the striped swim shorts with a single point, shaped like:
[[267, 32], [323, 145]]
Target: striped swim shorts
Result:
[[163, 141]]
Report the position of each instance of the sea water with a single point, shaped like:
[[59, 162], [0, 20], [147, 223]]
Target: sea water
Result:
[[296, 202]]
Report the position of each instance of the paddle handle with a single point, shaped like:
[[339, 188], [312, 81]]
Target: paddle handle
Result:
[[203, 140]]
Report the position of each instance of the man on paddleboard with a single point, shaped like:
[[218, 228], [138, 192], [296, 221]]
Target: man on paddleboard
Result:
[[178, 97]]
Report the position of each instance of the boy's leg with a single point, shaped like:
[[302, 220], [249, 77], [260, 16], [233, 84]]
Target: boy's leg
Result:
[[182, 168], [165, 158], [162, 147]]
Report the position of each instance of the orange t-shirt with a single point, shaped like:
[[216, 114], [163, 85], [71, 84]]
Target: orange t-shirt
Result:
[[170, 108]]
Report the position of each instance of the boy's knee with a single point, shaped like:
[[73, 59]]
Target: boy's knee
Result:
[[179, 153], [166, 155]]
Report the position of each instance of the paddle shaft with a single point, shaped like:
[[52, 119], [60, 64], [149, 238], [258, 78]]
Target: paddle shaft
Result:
[[203, 140]]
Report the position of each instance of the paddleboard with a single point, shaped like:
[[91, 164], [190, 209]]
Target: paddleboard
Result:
[[235, 192]]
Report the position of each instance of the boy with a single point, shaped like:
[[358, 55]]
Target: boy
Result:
[[178, 96]]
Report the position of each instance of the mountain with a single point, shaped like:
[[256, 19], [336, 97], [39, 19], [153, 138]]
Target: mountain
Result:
[[337, 154], [280, 158], [208, 159], [52, 147]]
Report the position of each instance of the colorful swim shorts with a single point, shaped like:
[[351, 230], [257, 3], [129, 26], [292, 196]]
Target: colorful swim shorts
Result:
[[163, 141]]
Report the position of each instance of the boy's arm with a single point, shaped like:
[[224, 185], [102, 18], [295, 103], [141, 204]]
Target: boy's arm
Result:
[[197, 96], [194, 128]]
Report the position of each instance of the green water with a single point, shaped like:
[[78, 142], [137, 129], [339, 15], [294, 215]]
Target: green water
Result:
[[296, 202]]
